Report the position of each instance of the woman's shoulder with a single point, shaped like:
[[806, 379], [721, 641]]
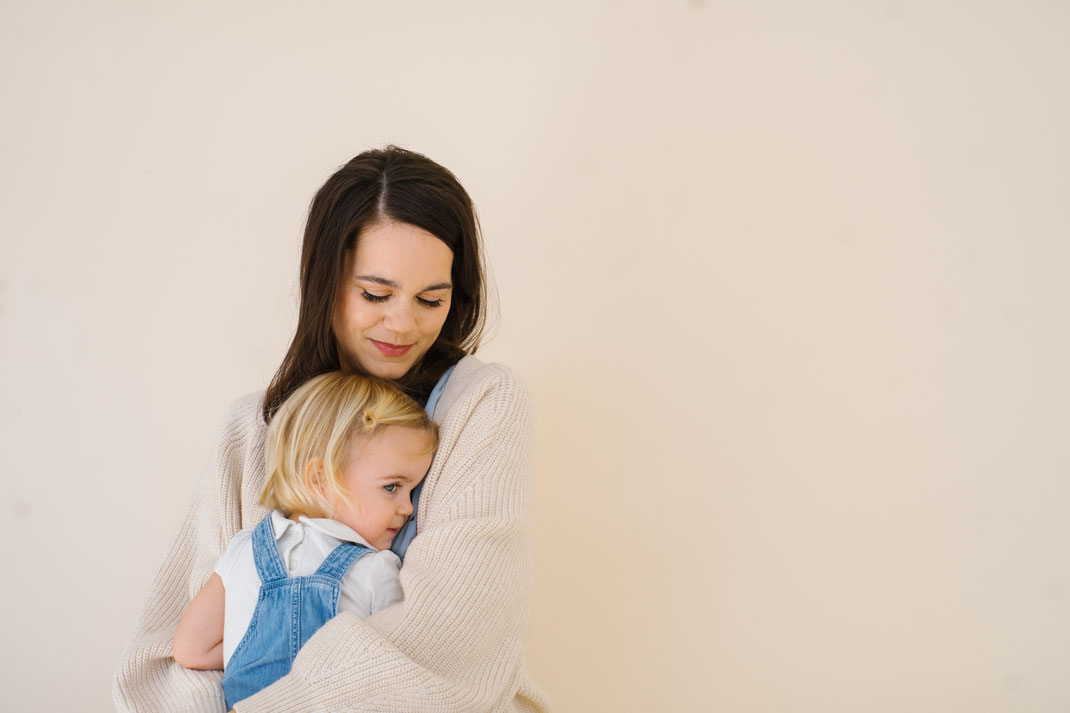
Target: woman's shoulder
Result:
[[241, 430], [246, 409], [472, 367], [243, 417], [485, 397], [473, 381]]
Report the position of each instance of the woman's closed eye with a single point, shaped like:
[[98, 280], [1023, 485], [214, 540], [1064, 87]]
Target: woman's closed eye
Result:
[[372, 297]]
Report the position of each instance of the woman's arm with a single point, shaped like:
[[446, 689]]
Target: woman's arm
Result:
[[199, 638], [454, 644], [148, 679]]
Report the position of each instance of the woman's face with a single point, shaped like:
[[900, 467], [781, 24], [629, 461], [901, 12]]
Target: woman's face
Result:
[[394, 298]]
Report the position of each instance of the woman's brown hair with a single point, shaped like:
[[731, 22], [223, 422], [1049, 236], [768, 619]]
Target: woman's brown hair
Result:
[[377, 185]]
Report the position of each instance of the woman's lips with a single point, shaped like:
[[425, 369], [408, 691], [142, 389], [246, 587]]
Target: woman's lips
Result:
[[391, 350]]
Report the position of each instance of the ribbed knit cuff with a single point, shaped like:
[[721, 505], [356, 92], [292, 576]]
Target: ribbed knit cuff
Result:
[[206, 705], [290, 694], [170, 689]]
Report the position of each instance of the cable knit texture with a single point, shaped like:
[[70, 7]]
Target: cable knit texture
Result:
[[453, 645]]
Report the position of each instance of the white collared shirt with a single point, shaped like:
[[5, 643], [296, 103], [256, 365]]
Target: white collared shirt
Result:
[[371, 584]]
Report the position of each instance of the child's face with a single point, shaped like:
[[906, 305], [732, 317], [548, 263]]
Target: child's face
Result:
[[380, 474]]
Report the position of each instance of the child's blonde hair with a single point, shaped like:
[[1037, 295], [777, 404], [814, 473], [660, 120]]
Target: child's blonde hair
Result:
[[320, 420]]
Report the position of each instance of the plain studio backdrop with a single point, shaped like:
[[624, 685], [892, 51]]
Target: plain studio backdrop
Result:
[[788, 282]]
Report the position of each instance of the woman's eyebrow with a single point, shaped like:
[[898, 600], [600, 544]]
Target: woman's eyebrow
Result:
[[390, 283]]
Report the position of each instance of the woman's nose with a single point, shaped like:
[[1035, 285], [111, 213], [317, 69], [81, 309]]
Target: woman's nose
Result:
[[400, 317]]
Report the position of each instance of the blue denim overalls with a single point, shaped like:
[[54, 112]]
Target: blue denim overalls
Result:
[[289, 610]]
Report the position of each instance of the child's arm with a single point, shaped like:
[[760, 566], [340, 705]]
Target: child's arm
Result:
[[199, 638]]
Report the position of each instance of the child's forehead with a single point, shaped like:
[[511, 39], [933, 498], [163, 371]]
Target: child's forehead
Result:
[[392, 443], [393, 434]]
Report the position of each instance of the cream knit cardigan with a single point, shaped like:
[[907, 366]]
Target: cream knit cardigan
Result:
[[453, 645]]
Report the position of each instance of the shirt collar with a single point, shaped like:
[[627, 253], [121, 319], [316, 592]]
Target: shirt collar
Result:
[[280, 523]]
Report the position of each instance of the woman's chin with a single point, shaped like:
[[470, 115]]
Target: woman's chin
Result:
[[389, 370]]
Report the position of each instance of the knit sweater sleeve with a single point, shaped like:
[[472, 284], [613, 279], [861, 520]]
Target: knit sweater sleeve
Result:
[[454, 644], [148, 678]]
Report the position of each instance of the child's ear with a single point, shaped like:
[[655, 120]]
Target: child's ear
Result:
[[315, 476]]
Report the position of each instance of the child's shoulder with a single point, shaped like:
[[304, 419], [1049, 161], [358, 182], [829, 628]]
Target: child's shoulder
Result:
[[374, 582], [239, 546], [374, 569]]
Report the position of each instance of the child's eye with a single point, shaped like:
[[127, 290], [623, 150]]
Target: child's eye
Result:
[[372, 297], [392, 488]]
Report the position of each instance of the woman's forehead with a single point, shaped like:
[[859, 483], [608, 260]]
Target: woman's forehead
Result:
[[401, 252]]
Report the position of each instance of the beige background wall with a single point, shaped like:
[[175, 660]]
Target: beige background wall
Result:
[[788, 282]]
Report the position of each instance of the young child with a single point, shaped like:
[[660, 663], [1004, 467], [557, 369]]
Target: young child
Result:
[[343, 455]]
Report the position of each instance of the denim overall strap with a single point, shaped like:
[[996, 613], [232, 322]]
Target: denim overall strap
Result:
[[266, 553], [341, 559]]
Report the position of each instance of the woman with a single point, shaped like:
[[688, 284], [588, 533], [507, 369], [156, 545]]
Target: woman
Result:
[[391, 285]]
